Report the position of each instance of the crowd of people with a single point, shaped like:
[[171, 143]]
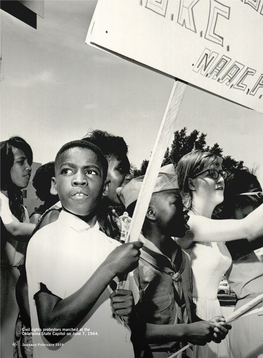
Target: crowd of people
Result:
[[72, 286]]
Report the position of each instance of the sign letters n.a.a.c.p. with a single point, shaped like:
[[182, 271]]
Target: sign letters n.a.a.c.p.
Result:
[[215, 45]]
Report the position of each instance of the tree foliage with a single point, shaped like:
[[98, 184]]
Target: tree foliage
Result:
[[183, 144], [142, 170]]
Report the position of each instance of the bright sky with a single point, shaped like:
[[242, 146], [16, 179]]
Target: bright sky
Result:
[[55, 88]]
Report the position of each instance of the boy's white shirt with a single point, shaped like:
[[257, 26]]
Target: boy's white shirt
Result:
[[64, 274]]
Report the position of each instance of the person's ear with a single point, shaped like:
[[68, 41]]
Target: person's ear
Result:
[[105, 191], [151, 214], [53, 186], [191, 184]]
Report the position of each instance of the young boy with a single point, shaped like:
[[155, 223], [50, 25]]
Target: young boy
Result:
[[115, 150], [164, 274], [70, 264]]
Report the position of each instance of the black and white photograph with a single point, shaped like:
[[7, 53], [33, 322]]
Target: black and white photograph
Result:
[[131, 197]]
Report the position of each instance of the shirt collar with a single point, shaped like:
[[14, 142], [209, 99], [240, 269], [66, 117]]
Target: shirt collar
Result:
[[147, 243], [75, 222]]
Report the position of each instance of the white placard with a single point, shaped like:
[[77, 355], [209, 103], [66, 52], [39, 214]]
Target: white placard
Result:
[[214, 45]]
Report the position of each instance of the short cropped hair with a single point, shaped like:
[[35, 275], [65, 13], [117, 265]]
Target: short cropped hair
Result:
[[86, 145], [190, 165], [110, 145], [7, 157], [42, 180]]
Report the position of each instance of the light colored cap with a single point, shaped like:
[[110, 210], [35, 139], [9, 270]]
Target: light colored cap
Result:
[[166, 180], [167, 169]]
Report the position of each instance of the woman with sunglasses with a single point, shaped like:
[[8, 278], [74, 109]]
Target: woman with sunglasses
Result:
[[201, 183], [243, 194]]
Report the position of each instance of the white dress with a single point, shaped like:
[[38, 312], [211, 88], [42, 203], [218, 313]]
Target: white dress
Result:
[[210, 261]]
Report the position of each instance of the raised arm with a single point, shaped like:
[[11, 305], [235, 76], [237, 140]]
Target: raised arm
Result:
[[205, 229], [20, 231]]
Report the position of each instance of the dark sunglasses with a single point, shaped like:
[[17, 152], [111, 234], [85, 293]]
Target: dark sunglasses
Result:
[[213, 173]]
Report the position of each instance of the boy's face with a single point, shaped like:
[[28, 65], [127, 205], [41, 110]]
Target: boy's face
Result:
[[170, 214], [79, 180]]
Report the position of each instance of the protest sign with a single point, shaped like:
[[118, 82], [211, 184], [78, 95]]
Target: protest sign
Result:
[[214, 45]]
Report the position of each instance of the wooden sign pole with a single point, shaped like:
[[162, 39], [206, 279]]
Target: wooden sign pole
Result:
[[164, 135]]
